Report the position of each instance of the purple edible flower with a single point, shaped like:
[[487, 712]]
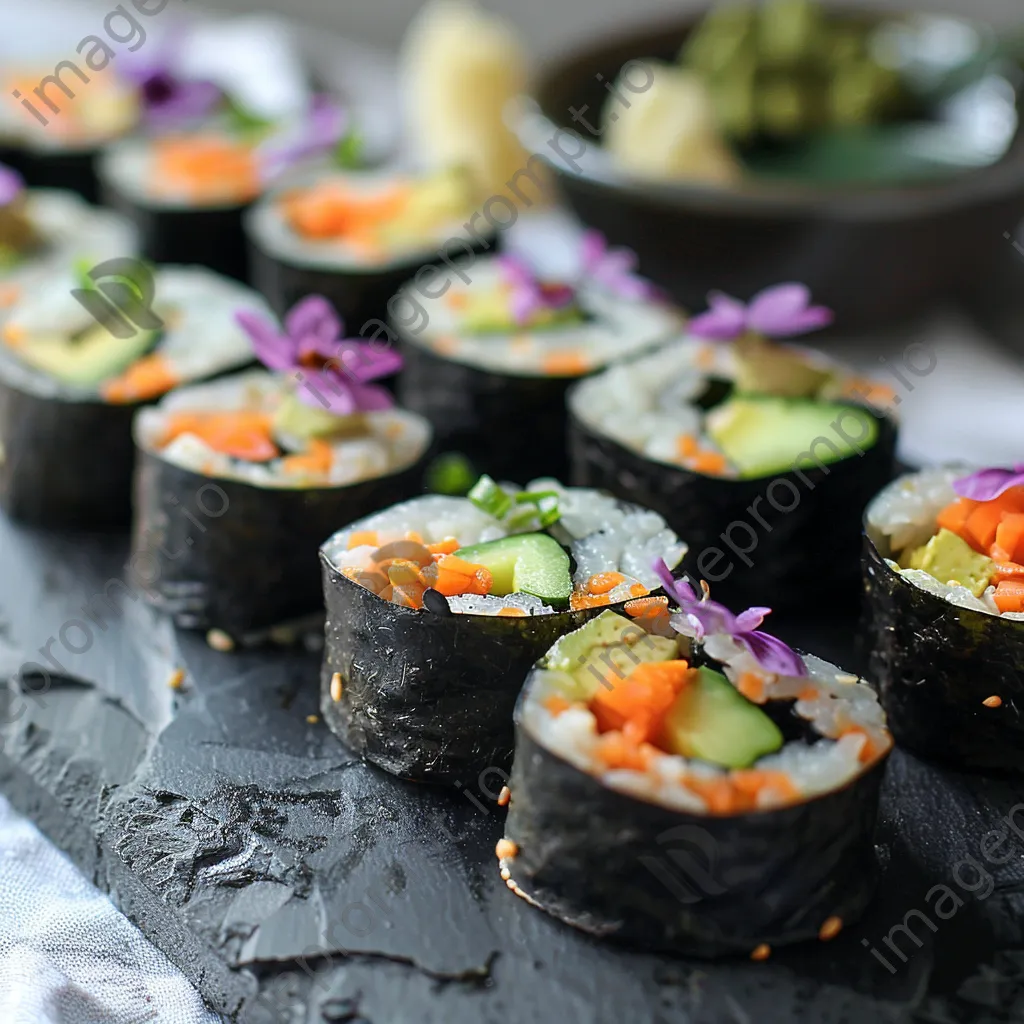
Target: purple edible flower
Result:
[[614, 268], [324, 127], [11, 185], [989, 484], [335, 372], [709, 618], [530, 295], [779, 312]]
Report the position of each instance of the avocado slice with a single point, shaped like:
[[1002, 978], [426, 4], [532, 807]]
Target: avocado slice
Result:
[[712, 721], [762, 435], [764, 368], [488, 313], [950, 558], [526, 563], [88, 358], [297, 419], [607, 646]]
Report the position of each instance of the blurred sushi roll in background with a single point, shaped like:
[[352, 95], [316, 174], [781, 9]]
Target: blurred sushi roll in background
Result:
[[437, 608], [764, 455], [292, 453], [489, 363], [691, 738], [944, 581], [357, 237], [78, 356]]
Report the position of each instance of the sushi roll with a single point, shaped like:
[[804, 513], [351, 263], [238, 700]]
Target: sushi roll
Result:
[[53, 136], [357, 237], [944, 581], [187, 190], [44, 231], [764, 454], [240, 480], [686, 782], [489, 363], [78, 357], [437, 608]]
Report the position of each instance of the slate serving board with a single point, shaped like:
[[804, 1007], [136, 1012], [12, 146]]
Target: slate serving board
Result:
[[292, 883]]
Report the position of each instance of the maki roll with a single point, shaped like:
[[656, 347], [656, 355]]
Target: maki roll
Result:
[[686, 782], [944, 579], [240, 480], [437, 607], [187, 190], [44, 231], [356, 237], [764, 454], [78, 357], [54, 134], [495, 359]]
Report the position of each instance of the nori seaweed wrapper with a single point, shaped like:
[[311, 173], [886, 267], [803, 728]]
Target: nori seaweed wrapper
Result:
[[74, 170], [211, 237], [803, 555], [226, 554], [935, 663], [511, 427], [65, 462], [624, 868]]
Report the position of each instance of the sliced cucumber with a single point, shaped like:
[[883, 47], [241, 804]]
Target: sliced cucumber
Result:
[[89, 359], [527, 563]]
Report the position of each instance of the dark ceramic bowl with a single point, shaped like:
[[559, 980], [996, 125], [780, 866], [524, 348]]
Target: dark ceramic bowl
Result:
[[875, 254]]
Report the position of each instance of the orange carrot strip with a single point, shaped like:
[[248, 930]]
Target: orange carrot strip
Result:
[[1009, 596], [1010, 535], [363, 538], [556, 705], [242, 435], [751, 685], [645, 605], [604, 581], [448, 546], [686, 446], [710, 463], [643, 698], [146, 378], [566, 364], [954, 517], [316, 462]]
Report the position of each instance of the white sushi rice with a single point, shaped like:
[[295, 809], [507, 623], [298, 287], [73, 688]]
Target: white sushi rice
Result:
[[842, 701], [904, 517], [268, 228], [200, 337], [601, 534], [394, 440], [615, 328]]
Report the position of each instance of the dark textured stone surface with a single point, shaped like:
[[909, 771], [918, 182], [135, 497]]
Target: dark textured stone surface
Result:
[[242, 838]]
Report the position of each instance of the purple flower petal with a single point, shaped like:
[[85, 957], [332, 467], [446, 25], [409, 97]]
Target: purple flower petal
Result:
[[989, 484], [11, 184], [679, 589], [725, 319], [773, 655], [613, 268], [749, 620], [363, 363], [273, 349], [593, 248], [313, 316], [323, 129], [786, 310]]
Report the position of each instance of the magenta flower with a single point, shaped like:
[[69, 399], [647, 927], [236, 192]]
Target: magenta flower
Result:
[[323, 128], [12, 184], [779, 312], [530, 295], [989, 484], [334, 372], [615, 269], [709, 618]]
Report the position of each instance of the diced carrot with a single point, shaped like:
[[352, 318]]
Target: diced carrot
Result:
[[578, 600], [710, 463], [1008, 571], [242, 435], [638, 590], [363, 538], [604, 581], [645, 606], [414, 537], [566, 364], [869, 751], [643, 697], [207, 166], [9, 294], [719, 794], [14, 334], [686, 446], [333, 211], [1013, 499], [1010, 535], [751, 685], [752, 781], [556, 705], [982, 523], [146, 378], [316, 462], [511, 613], [954, 517], [448, 546], [809, 693], [616, 750], [457, 300], [452, 576], [1009, 596]]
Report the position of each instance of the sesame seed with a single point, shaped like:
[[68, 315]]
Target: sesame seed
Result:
[[505, 848], [504, 796], [831, 928], [843, 677], [220, 641], [992, 702], [177, 679], [336, 687], [312, 719], [762, 952]]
